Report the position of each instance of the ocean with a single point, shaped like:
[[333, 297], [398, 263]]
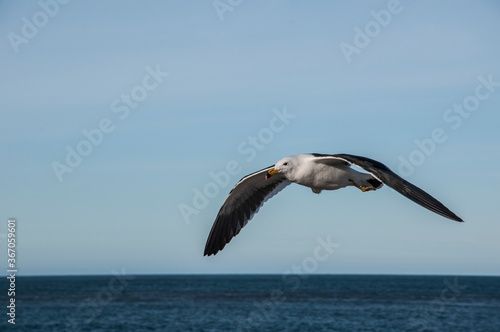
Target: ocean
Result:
[[256, 303]]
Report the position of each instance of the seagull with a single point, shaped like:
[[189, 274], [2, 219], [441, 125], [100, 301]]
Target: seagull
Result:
[[316, 171]]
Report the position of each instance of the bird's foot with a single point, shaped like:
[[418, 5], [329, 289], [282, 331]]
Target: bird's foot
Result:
[[363, 189]]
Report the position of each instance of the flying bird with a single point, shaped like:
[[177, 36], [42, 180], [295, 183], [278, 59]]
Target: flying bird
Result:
[[316, 171]]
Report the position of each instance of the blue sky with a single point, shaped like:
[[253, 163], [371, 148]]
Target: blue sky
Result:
[[120, 206]]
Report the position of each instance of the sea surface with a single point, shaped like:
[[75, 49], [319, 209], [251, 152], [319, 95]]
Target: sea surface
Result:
[[256, 303]]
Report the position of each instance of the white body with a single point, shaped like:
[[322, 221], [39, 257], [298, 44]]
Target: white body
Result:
[[319, 176]]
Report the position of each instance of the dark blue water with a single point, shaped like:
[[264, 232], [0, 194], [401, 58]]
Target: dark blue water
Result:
[[256, 303]]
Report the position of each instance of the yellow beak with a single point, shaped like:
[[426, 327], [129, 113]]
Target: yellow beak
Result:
[[271, 172]]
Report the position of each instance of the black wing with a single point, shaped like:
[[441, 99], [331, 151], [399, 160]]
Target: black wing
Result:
[[384, 174], [241, 204]]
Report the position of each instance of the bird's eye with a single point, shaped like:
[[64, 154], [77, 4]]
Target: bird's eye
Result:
[[285, 164]]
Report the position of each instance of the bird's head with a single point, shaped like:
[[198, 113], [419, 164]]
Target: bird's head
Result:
[[284, 166]]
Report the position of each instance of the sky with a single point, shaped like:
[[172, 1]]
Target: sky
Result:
[[124, 125]]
